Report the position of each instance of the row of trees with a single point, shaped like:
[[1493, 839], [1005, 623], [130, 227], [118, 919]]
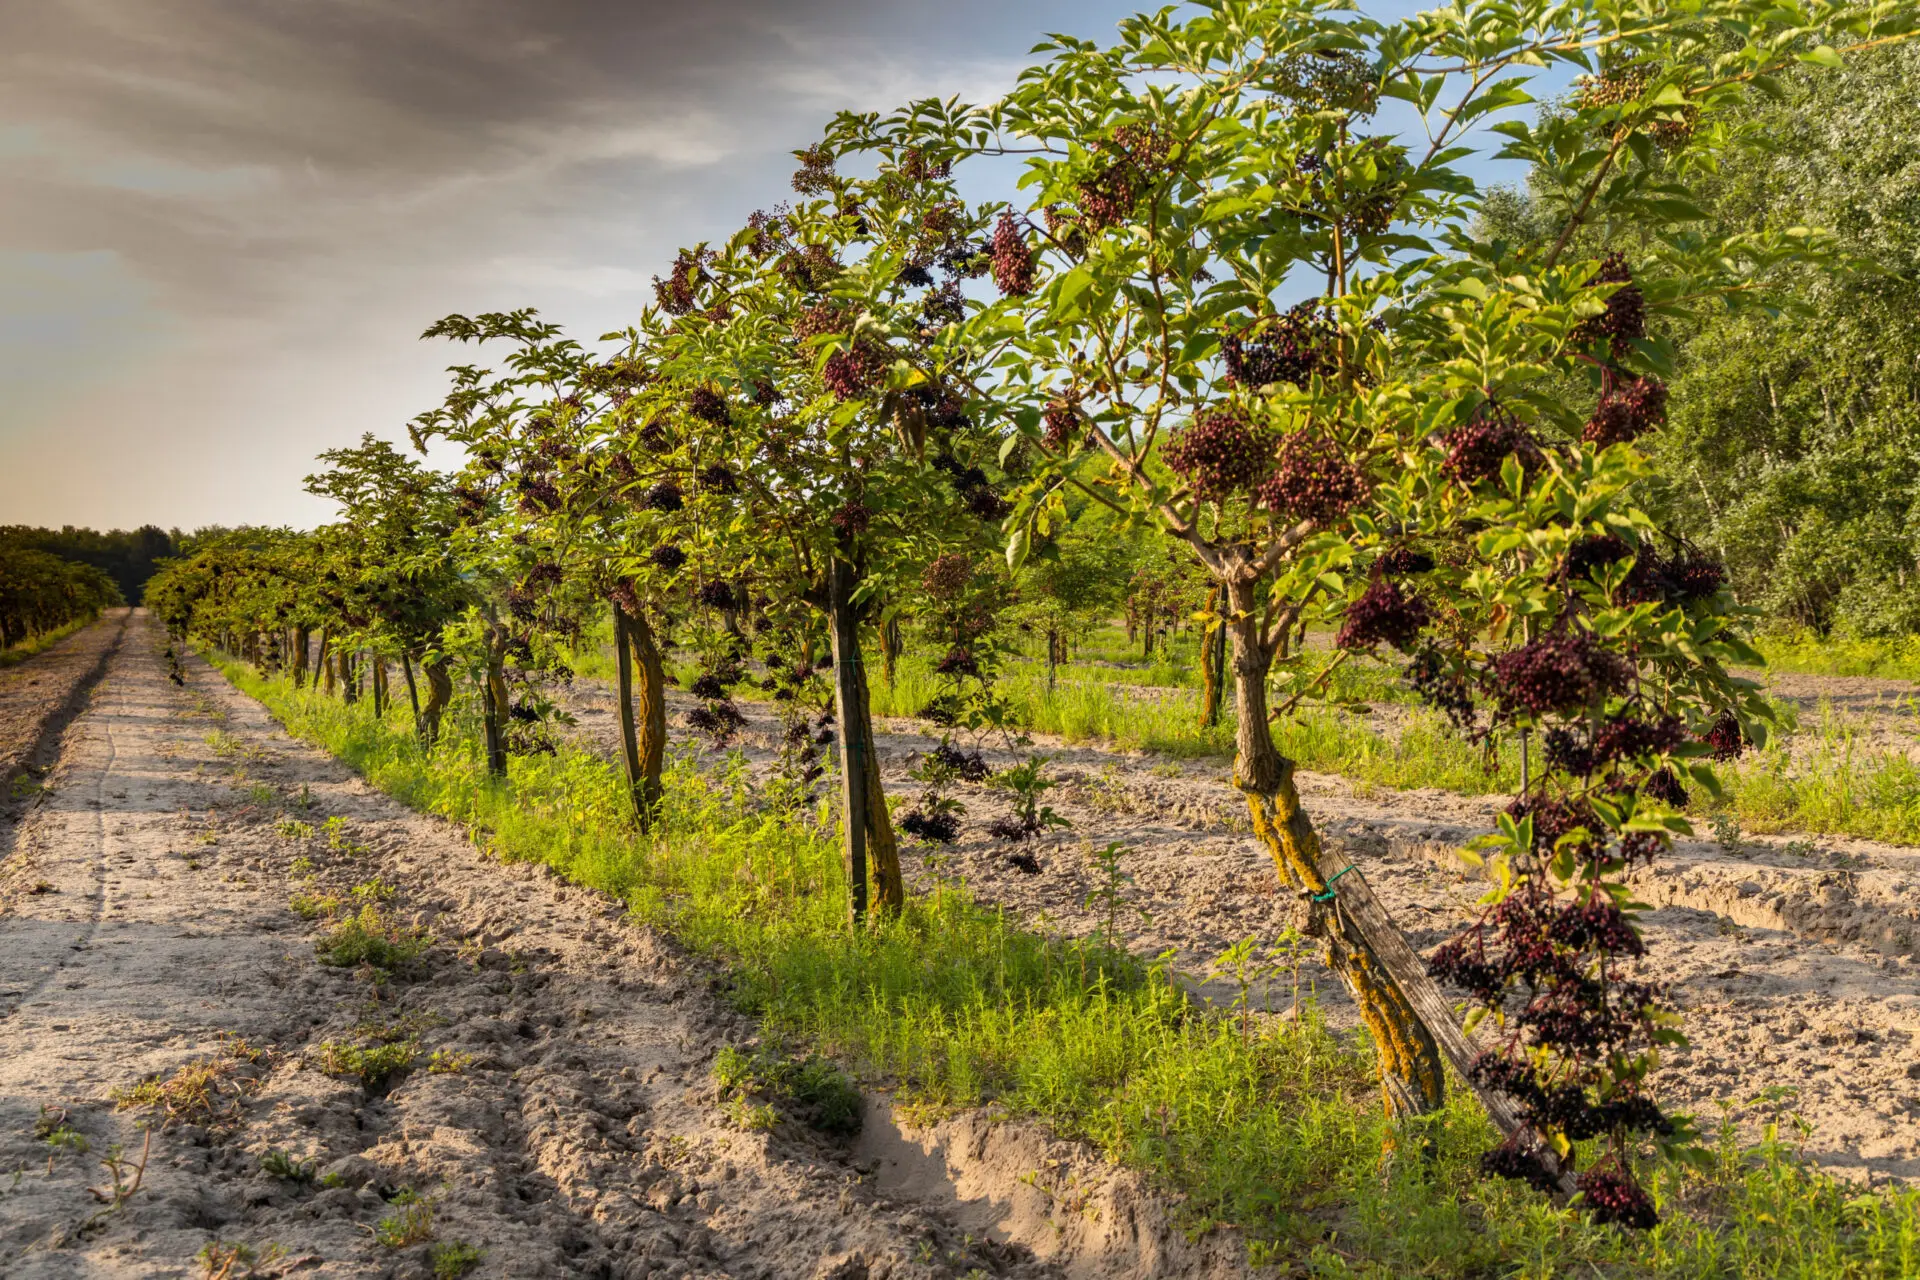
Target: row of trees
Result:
[[1236, 310], [40, 593], [129, 557]]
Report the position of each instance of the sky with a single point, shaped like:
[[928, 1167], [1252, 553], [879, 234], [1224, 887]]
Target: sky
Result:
[[224, 223]]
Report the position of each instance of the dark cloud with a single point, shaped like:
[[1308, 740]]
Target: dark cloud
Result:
[[222, 221]]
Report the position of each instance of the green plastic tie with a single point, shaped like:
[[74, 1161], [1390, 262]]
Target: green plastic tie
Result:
[[1328, 896]]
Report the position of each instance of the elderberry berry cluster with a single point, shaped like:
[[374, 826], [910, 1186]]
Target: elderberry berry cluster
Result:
[[1564, 670], [1384, 614], [851, 372], [1012, 258], [665, 496], [1625, 317], [1312, 481], [1477, 450], [1627, 411], [1288, 348], [1218, 455]]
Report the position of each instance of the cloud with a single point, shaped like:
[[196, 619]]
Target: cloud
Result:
[[224, 222]]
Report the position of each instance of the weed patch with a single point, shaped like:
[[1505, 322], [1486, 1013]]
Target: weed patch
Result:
[[369, 937]]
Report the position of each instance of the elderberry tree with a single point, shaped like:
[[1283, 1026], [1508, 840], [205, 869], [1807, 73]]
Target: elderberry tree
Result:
[[1191, 183], [565, 522], [811, 393]]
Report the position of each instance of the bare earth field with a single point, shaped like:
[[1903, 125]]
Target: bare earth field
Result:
[[1798, 969], [558, 1114]]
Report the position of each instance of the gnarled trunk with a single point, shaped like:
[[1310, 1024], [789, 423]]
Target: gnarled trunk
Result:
[[1344, 916], [326, 662], [642, 711], [301, 639]]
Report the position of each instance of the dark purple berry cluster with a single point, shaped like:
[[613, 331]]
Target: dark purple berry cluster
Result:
[[1403, 562], [716, 593], [676, 293], [1443, 685], [815, 174], [852, 518], [947, 576], [852, 372], [627, 597], [958, 661], [537, 496], [968, 766], [1615, 1198], [719, 721], [665, 496], [1564, 670], [1061, 423], [1625, 319], [937, 827], [1725, 737], [1477, 450], [1384, 614], [655, 437], [1218, 455], [1312, 481], [814, 321], [1012, 258], [1288, 348], [718, 479], [1627, 411], [707, 405], [1107, 196], [668, 557]]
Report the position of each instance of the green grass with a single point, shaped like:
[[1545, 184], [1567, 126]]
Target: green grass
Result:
[[44, 641], [1839, 787], [1804, 652], [954, 1005]]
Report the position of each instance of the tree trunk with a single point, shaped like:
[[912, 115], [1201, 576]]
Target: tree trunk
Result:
[[1342, 916], [326, 662], [642, 712], [1213, 661], [891, 647], [869, 838], [301, 639], [496, 703], [413, 689], [439, 694], [379, 683], [349, 678]]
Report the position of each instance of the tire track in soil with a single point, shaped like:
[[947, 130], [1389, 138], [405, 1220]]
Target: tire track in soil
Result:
[[574, 1133]]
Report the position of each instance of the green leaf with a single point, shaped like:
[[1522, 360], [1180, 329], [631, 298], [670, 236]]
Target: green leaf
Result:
[[1824, 56]]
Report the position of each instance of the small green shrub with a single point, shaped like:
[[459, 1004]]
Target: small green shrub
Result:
[[812, 1090], [370, 938], [372, 1063], [454, 1259]]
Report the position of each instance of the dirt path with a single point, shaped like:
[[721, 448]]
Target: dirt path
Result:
[[1798, 966], [558, 1114]]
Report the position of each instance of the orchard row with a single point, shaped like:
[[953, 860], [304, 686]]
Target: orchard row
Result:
[[1239, 306]]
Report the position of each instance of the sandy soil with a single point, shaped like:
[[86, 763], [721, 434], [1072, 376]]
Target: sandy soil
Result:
[[1797, 965], [568, 1125], [38, 696]]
